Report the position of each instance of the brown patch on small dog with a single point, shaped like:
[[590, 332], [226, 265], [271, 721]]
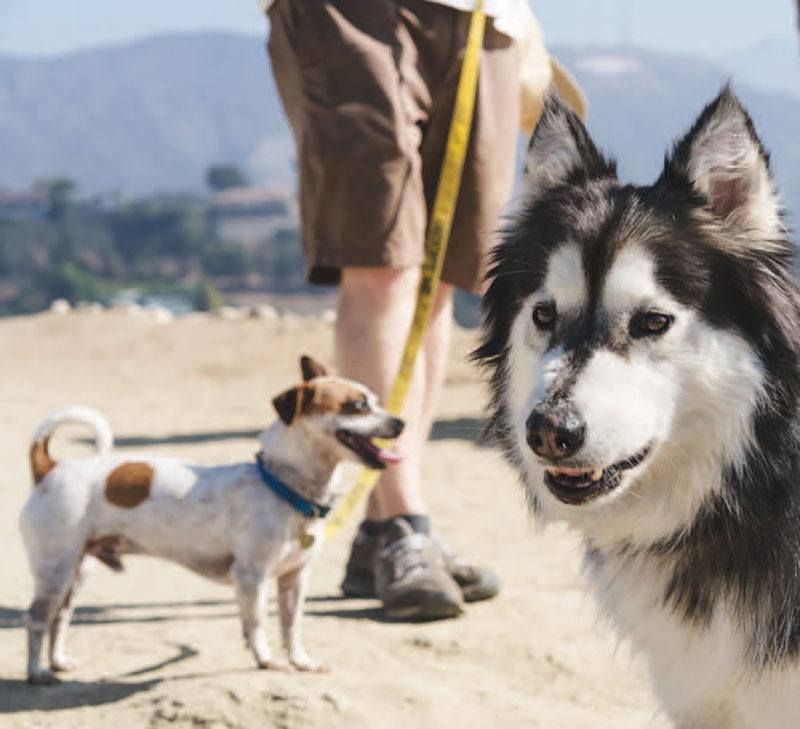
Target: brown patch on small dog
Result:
[[291, 403], [41, 462], [128, 485], [319, 398]]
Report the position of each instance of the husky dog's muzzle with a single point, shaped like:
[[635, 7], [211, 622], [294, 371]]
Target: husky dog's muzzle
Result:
[[556, 434]]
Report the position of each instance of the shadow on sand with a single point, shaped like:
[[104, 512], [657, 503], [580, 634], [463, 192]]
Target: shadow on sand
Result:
[[464, 428], [16, 695], [208, 436], [339, 606], [12, 617]]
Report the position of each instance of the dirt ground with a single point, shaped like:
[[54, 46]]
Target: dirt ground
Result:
[[161, 647]]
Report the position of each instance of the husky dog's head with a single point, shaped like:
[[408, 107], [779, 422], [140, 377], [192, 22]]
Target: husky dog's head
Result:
[[640, 339]]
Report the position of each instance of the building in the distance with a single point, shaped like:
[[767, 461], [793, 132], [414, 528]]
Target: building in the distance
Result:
[[29, 205], [248, 216]]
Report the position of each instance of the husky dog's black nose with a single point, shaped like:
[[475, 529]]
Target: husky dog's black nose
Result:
[[555, 434]]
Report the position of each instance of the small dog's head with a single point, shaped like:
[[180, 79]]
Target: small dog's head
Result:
[[343, 413], [633, 331]]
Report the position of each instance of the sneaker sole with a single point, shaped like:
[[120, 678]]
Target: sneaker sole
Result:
[[484, 589], [354, 586], [427, 607], [364, 588], [422, 615]]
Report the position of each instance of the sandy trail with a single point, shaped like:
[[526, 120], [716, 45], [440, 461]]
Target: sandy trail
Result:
[[160, 647]]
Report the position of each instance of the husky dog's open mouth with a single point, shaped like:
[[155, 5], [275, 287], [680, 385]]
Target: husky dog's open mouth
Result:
[[371, 454], [579, 485]]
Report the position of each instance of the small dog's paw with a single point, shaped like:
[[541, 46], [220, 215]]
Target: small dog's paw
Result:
[[43, 677], [309, 665], [63, 663], [272, 664]]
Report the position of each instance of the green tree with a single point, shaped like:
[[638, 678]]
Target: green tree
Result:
[[207, 297], [60, 193], [221, 177], [149, 233], [69, 281], [224, 260]]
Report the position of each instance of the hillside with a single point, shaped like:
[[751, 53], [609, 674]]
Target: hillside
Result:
[[152, 115], [769, 64], [641, 101]]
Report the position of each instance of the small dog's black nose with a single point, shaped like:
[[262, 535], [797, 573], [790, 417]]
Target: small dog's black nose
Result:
[[555, 434], [396, 425]]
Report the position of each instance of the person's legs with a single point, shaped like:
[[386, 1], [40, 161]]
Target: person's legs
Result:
[[435, 352], [362, 128], [376, 306]]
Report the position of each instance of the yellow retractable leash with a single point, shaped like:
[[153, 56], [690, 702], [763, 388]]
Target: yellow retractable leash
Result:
[[441, 221]]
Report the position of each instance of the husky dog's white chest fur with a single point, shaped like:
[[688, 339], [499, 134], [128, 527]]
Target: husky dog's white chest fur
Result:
[[700, 674]]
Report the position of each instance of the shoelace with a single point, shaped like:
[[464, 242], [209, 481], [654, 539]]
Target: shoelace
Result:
[[406, 555]]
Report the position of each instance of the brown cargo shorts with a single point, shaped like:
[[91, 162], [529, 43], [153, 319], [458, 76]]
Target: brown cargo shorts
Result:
[[368, 87]]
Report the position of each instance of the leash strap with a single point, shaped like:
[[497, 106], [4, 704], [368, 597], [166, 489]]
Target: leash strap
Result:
[[308, 508], [436, 238]]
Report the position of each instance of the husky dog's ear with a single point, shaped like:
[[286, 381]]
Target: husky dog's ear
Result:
[[561, 150], [311, 368], [723, 159], [292, 402]]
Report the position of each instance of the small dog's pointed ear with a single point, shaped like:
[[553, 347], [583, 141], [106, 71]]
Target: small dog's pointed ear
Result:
[[287, 404], [561, 149], [311, 368], [724, 161]]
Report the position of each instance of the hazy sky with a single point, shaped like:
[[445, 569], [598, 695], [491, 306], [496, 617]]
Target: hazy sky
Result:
[[39, 27]]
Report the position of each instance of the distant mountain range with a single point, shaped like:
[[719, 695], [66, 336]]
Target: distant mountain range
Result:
[[154, 114], [151, 115], [641, 101], [770, 64]]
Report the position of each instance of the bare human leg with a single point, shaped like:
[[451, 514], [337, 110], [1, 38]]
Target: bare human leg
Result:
[[376, 306]]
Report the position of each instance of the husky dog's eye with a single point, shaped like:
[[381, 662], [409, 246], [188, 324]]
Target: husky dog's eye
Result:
[[649, 324], [544, 315]]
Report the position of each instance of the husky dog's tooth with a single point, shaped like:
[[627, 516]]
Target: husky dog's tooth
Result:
[[642, 345]]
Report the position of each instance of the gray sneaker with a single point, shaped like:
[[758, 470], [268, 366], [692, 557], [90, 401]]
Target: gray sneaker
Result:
[[411, 578], [476, 583], [359, 580]]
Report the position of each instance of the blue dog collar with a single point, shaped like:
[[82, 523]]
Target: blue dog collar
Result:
[[311, 509]]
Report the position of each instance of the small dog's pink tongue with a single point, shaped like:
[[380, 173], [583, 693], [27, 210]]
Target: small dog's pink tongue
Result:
[[388, 456], [382, 454]]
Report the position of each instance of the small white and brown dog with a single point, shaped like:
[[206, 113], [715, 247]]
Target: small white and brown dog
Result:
[[241, 523]]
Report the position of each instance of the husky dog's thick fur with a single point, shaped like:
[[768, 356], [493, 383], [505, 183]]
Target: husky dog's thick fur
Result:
[[643, 349]]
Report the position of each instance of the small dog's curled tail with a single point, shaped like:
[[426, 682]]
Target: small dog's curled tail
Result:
[[41, 461]]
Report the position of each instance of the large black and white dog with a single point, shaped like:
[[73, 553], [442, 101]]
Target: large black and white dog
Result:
[[643, 347]]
